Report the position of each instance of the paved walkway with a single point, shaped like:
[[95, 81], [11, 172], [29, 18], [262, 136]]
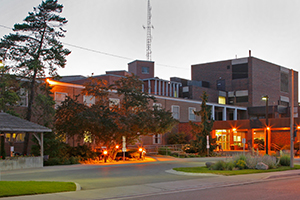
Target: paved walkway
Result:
[[127, 192]]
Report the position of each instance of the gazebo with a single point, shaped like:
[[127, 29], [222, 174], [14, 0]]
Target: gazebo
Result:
[[12, 124]]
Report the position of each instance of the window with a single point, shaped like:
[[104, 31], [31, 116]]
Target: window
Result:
[[23, 93], [192, 115], [59, 97], [157, 105], [145, 70], [240, 71], [222, 100], [175, 111], [157, 139], [15, 137], [87, 137], [114, 102], [89, 100], [284, 85]]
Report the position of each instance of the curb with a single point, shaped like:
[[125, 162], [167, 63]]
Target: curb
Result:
[[282, 176], [78, 187], [171, 171]]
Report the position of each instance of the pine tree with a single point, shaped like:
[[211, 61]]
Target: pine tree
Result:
[[34, 49], [203, 129]]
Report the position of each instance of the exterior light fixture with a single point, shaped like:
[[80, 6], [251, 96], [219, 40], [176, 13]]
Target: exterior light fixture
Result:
[[234, 129], [117, 146]]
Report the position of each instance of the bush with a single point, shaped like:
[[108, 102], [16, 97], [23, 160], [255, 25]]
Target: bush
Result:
[[241, 164], [270, 161], [164, 151], [285, 160], [189, 149], [61, 161], [220, 165], [52, 161], [230, 165]]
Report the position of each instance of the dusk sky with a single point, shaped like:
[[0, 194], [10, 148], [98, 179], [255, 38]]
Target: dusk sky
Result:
[[185, 32]]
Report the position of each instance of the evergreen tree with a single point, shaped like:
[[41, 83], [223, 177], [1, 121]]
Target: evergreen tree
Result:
[[203, 129], [8, 90], [34, 49]]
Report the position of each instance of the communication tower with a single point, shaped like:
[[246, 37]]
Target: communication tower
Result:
[[149, 27]]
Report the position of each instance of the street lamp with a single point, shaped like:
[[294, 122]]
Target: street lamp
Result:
[[266, 98]]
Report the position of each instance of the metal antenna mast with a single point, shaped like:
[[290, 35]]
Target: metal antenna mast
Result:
[[149, 36]]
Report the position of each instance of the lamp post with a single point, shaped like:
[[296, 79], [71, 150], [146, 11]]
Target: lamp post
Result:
[[266, 98]]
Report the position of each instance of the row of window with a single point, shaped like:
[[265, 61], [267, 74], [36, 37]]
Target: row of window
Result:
[[90, 100]]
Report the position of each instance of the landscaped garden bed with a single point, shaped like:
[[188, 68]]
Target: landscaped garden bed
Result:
[[244, 164]]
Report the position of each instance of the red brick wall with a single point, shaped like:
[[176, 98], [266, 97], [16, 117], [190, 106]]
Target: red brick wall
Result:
[[280, 138]]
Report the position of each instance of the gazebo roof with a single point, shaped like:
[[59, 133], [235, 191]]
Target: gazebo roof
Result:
[[9, 123]]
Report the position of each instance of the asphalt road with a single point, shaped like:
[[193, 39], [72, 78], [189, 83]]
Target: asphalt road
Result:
[[107, 175], [149, 180], [280, 189]]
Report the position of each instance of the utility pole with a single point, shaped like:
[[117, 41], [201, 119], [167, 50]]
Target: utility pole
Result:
[[292, 121], [149, 27]]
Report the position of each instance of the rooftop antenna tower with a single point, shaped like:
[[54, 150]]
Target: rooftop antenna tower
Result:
[[149, 27]]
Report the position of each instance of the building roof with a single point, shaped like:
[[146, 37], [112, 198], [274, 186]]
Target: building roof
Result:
[[9, 123]]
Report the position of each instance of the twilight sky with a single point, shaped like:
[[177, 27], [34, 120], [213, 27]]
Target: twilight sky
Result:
[[185, 32]]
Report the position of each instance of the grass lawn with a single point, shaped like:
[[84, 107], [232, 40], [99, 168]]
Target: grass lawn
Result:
[[204, 169], [16, 188]]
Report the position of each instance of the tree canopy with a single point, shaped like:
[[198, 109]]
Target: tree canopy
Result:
[[107, 121], [34, 50]]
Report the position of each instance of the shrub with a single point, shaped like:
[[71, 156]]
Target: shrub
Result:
[[164, 151], [74, 160], [285, 160], [220, 165], [230, 165], [251, 161], [270, 161], [52, 161], [189, 149], [241, 164]]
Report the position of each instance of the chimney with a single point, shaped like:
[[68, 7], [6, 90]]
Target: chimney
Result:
[[249, 53]]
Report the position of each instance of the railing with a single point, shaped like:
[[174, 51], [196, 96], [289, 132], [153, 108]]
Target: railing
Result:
[[261, 147], [275, 147]]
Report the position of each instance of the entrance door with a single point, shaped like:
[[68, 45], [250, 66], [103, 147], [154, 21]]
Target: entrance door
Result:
[[259, 140], [223, 139]]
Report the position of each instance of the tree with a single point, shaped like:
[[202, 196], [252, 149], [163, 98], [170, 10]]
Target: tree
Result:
[[8, 90], [105, 122], [68, 118], [34, 47], [203, 129]]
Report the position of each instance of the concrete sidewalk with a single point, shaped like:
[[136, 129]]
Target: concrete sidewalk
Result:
[[130, 191]]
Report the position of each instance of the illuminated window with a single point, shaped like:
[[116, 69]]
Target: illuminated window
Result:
[[192, 115], [87, 137], [15, 137], [222, 100], [175, 112], [89, 100]]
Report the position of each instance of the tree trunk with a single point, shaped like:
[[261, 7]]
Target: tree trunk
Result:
[[29, 109]]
